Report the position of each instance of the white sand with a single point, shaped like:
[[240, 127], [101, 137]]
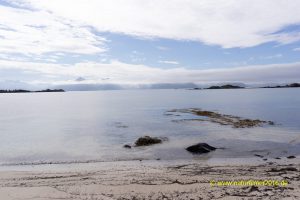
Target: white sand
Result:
[[149, 180]]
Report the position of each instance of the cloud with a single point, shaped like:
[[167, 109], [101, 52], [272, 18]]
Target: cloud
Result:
[[37, 37], [227, 23], [34, 32], [13, 84], [169, 62], [297, 49], [162, 48], [121, 73], [272, 56]]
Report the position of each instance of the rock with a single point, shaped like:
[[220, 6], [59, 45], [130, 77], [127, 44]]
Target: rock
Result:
[[147, 140], [271, 123], [291, 157], [257, 155], [200, 148], [127, 146]]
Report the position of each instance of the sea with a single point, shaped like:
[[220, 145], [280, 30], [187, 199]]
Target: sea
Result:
[[93, 126]]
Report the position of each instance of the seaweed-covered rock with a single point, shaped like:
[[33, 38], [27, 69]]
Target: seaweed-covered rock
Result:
[[222, 119], [200, 148], [147, 140]]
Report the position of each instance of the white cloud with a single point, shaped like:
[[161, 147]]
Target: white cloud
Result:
[[117, 72], [228, 23], [35, 36], [272, 56], [162, 48], [172, 62], [32, 32], [297, 49]]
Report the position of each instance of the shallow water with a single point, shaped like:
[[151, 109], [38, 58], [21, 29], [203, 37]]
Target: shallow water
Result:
[[93, 126]]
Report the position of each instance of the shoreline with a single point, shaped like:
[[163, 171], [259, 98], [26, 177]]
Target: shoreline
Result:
[[177, 179], [211, 161]]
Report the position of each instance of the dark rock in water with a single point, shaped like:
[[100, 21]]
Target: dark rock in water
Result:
[[271, 123], [257, 155], [200, 148], [147, 140], [196, 88], [163, 139], [127, 146], [278, 158], [291, 157]]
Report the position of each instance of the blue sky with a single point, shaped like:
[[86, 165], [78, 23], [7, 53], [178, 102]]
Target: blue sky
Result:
[[134, 42], [196, 55]]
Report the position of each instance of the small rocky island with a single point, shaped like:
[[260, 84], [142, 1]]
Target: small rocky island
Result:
[[28, 91], [228, 86], [292, 85]]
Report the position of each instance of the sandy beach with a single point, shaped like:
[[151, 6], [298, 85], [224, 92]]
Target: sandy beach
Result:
[[152, 180], [149, 100]]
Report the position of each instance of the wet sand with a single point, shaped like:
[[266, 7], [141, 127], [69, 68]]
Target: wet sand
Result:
[[151, 180]]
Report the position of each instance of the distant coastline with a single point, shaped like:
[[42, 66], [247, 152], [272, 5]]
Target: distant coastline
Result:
[[293, 85], [28, 91], [229, 86], [194, 87]]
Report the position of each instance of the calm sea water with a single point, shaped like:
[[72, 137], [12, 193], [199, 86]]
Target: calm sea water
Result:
[[93, 126]]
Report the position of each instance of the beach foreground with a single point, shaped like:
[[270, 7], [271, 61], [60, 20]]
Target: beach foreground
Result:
[[152, 180]]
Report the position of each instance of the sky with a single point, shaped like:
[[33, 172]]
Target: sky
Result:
[[138, 43]]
